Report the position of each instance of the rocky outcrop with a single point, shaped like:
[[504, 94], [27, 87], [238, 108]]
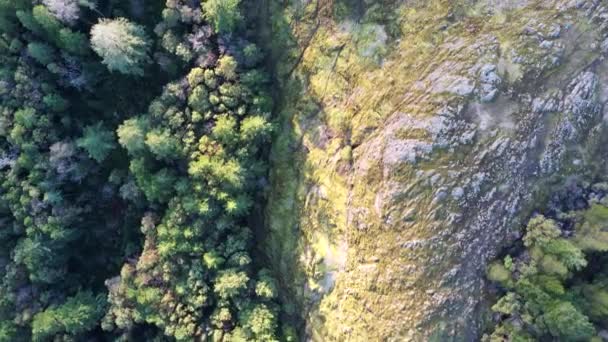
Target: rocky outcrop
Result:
[[399, 175]]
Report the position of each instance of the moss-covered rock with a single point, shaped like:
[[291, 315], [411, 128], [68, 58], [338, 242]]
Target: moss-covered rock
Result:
[[454, 115]]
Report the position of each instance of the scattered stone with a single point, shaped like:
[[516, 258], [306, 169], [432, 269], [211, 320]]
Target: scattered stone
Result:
[[546, 44], [457, 193], [489, 81], [555, 32]]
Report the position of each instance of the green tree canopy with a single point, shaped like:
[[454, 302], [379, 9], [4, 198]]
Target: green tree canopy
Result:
[[230, 283], [261, 322], [564, 321], [223, 14], [132, 135], [77, 315], [41, 52], [163, 144], [123, 46], [97, 141]]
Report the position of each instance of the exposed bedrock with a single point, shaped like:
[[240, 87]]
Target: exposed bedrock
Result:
[[411, 149]]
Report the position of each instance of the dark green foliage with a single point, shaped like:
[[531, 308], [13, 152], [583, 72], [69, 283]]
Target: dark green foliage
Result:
[[266, 286], [542, 285], [223, 14], [97, 141], [54, 198], [41, 52], [593, 297], [55, 102], [73, 42], [26, 18], [157, 186], [8, 332], [190, 169], [591, 234], [565, 322], [197, 151], [47, 21], [77, 315]]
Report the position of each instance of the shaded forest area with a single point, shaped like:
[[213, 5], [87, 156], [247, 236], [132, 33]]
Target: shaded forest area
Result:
[[134, 176], [133, 138]]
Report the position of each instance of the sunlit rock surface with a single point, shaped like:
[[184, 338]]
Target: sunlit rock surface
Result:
[[415, 136]]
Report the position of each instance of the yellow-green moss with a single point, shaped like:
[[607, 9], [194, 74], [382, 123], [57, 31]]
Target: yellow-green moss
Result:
[[321, 202]]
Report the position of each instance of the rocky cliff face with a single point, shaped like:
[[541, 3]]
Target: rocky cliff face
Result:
[[415, 136]]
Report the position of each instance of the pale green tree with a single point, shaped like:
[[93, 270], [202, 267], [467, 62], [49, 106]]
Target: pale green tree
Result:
[[123, 46], [223, 14]]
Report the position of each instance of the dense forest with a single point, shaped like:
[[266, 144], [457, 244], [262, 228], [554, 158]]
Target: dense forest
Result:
[[553, 283], [133, 138]]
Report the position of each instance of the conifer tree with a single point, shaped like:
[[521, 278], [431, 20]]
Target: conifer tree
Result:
[[123, 46]]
